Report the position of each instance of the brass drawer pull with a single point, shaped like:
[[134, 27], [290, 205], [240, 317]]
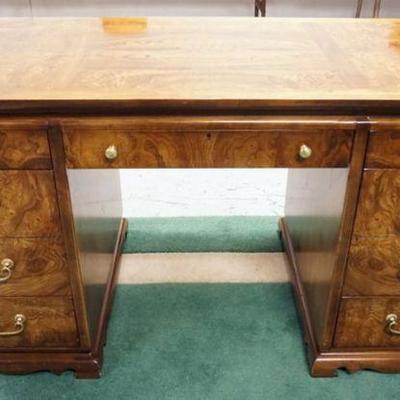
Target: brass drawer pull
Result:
[[111, 152], [305, 151], [6, 271], [19, 325], [391, 322]]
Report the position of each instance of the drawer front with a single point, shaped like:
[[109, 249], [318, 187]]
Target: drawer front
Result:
[[38, 268], [378, 213], [170, 147], [23, 148], [373, 267], [384, 146], [28, 205], [362, 322], [50, 322]]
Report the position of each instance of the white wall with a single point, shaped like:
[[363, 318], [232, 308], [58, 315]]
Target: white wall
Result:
[[197, 192], [276, 8], [201, 192]]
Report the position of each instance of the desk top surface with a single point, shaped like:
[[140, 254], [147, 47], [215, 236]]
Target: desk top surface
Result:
[[199, 59]]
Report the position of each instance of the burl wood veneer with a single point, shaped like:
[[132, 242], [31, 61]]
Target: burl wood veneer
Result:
[[81, 98]]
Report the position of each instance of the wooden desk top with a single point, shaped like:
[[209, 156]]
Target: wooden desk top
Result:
[[187, 60]]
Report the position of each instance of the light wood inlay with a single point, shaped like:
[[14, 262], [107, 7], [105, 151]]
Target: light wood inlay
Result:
[[196, 59], [28, 205]]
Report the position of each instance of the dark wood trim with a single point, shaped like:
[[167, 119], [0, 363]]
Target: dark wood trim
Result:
[[69, 236], [326, 364], [85, 365], [45, 108], [359, 149]]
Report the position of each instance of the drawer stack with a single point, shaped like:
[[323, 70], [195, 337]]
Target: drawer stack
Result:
[[370, 305], [36, 308]]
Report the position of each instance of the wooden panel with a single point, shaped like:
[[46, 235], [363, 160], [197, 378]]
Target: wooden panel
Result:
[[50, 322], [235, 59], [39, 268], [229, 146], [97, 212], [69, 235], [28, 206], [362, 322], [384, 145], [319, 215], [378, 212], [23, 148], [314, 217], [373, 267]]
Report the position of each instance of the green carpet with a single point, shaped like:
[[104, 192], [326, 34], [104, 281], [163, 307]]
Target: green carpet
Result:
[[203, 234], [203, 342]]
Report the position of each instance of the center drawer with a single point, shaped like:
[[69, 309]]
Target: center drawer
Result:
[[134, 143]]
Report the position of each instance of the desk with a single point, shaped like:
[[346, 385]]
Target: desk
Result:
[[321, 97]]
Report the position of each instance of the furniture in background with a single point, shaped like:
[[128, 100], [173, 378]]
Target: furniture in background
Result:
[[260, 8], [83, 97], [376, 10]]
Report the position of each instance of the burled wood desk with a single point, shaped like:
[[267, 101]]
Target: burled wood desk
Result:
[[80, 98]]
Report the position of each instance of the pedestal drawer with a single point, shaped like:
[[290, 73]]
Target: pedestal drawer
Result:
[[363, 322], [47, 322], [28, 204], [373, 267], [33, 267], [378, 213], [24, 147], [384, 145]]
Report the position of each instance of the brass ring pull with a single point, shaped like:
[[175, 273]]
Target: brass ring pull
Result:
[[305, 151], [111, 152], [6, 271], [391, 323], [19, 325]]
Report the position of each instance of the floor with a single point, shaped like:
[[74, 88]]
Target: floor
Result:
[[203, 342]]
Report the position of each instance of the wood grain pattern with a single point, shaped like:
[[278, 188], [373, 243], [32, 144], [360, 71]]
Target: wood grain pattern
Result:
[[236, 59], [194, 146], [23, 148], [69, 235], [97, 222], [50, 322], [313, 217], [373, 267], [28, 205], [378, 212], [362, 322], [325, 363], [384, 144], [39, 268]]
